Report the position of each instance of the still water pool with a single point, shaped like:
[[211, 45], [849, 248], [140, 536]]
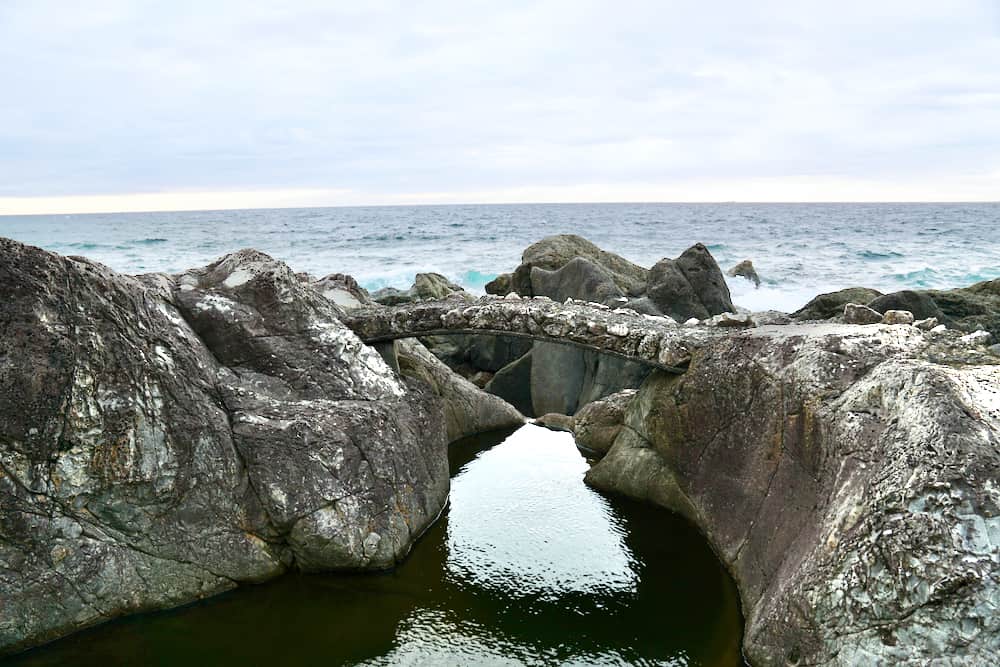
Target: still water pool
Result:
[[527, 566]]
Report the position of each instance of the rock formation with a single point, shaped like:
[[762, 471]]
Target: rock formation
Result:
[[848, 482], [746, 270], [831, 304], [164, 438]]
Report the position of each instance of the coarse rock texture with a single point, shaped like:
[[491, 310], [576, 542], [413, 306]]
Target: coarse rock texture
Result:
[[690, 286], [898, 317], [848, 482], [468, 410], [649, 340], [746, 270], [163, 439], [831, 304]]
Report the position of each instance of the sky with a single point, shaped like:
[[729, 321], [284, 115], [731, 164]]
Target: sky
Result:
[[131, 105]]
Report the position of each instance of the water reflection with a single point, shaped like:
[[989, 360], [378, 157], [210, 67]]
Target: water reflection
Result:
[[527, 566]]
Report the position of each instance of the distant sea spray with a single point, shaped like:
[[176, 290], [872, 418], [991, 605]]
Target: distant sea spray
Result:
[[799, 250]]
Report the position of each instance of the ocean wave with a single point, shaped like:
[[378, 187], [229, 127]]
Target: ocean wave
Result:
[[884, 254], [150, 241]]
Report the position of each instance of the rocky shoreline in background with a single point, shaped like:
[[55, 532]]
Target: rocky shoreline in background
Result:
[[165, 438]]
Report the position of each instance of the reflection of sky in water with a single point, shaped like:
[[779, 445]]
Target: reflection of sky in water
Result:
[[522, 521]]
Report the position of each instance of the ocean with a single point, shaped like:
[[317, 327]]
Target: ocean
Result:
[[799, 250]]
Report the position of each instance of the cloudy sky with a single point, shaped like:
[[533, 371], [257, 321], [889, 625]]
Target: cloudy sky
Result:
[[162, 105]]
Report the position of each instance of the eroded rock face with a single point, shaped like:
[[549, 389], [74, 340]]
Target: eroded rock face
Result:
[[163, 439], [849, 484]]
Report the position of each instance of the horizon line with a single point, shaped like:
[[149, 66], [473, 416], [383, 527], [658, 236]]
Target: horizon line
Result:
[[504, 203]]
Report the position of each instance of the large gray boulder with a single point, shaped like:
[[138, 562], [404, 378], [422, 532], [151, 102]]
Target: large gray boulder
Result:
[[580, 279], [425, 286], [847, 481], [555, 252], [831, 304], [690, 286], [163, 439]]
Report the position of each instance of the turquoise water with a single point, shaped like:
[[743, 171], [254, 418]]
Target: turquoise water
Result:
[[527, 566], [799, 250]]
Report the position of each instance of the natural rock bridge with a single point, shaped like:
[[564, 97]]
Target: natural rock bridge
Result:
[[656, 341]]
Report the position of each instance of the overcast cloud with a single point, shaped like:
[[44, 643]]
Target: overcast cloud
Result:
[[370, 102]]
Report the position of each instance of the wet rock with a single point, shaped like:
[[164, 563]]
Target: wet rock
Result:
[[831, 304], [897, 317], [855, 313], [690, 286], [746, 270], [847, 481]]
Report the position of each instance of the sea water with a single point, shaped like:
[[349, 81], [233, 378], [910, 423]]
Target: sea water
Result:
[[799, 250]]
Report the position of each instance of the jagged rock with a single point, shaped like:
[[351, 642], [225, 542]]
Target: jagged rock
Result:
[[831, 304], [745, 270], [927, 324], [598, 423], [897, 317], [554, 252], [468, 409], [855, 313], [847, 482], [579, 279], [919, 304], [163, 439], [690, 286]]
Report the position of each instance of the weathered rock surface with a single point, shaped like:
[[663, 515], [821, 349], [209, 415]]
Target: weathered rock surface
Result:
[[898, 317], [848, 482], [971, 308], [831, 304], [579, 279], [513, 384], [164, 439], [690, 286]]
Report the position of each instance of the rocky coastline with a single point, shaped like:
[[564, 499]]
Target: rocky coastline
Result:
[[164, 438]]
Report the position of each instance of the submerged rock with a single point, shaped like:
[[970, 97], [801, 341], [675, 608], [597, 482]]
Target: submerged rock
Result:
[[847, 481]]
